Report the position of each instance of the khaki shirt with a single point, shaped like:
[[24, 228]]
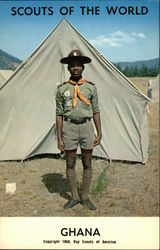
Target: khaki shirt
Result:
[[64, 101]]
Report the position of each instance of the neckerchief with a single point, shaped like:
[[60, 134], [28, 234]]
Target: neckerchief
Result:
[[77, 92]]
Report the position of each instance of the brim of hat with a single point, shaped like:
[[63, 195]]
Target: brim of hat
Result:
[[82, 59]]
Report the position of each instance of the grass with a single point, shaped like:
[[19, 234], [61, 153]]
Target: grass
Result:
[[100, 183], [23, 182], [33, 171], [27, 193], [112, 204]]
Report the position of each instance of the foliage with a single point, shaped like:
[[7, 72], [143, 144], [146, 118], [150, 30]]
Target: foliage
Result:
[[143, 71], [100, 184]]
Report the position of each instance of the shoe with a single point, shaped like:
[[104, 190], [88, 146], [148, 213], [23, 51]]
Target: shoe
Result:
[[71, 203], [89, 204]]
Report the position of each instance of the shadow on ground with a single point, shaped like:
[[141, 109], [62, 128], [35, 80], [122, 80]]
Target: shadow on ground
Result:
[[56, 183]]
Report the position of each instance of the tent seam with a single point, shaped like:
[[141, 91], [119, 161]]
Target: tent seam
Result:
[[140, 130]]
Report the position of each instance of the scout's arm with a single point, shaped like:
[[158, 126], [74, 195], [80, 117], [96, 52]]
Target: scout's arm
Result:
[[96, 116], [59, 123], [97, 122], [59, 119]]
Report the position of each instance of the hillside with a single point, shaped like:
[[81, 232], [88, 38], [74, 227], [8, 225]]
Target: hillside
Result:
[[148, 63], [8, 61]]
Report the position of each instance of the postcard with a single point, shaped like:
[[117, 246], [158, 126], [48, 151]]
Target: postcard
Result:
[[79, 106]]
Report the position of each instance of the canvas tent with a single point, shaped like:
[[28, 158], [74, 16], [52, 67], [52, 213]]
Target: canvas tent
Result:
[[27, 109], [153, 89], [5, 75]]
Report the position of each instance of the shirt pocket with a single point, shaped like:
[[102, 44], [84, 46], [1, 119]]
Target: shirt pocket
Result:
[[68, 103]]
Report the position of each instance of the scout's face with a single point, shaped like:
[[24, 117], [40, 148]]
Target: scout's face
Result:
[[76, 68]]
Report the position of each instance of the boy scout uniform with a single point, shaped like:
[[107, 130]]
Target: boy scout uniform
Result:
[[77, 125], [77, 102]]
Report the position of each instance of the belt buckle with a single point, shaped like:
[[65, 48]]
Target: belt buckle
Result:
[[81, 121], [77, 121]]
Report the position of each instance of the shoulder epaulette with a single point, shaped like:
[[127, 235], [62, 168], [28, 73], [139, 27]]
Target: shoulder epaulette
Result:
[[90, 82], [61, 84]]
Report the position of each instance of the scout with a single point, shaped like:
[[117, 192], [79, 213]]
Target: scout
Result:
[[76, 105]]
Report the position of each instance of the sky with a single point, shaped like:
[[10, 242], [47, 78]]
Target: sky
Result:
[[118, 37]]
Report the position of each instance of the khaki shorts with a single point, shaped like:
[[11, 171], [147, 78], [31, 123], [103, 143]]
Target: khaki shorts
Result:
[[74, 134]]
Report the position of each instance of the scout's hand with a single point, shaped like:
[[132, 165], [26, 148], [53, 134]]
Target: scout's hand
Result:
[[60, 145], [97, 140]]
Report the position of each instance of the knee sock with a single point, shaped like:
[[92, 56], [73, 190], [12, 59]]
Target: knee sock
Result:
[[71, 177], [87, 176]]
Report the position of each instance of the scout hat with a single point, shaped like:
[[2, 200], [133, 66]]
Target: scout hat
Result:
[[75, 54]]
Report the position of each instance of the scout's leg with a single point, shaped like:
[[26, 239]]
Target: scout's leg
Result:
[[87, 176], [71, 177]]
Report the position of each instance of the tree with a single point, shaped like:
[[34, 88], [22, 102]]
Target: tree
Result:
[[144, 70], [118, 66], [126, 71]]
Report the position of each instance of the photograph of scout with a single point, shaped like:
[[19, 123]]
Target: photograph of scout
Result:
[[76, 105]]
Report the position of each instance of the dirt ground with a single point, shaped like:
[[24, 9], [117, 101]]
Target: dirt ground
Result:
[[42, 190]]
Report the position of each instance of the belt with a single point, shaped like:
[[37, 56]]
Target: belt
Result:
[[80, 121]]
